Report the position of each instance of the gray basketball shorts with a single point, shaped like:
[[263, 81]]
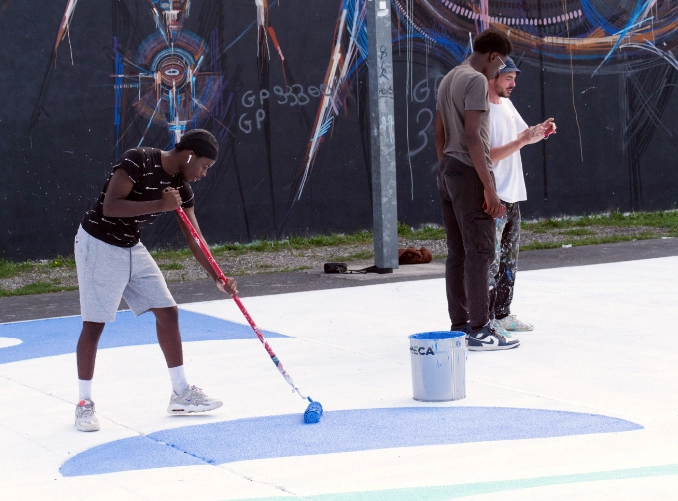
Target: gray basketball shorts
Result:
[[107, 273]]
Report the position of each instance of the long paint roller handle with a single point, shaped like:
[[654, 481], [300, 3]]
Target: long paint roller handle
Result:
[[221, 276]]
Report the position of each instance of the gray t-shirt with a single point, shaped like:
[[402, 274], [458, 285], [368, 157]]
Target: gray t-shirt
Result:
[[463, 89]]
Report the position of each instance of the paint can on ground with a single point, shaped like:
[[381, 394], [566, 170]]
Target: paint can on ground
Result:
[[438, 366]]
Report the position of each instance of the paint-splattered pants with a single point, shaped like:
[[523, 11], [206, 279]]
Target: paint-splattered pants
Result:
[[470, 243], [502, 276]]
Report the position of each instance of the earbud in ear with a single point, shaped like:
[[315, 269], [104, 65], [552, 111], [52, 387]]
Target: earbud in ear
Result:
[[189, 158]]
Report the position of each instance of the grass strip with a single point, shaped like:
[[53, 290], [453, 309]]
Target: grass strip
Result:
[[9, 269], [169, 259], [36, 288], [611, 239], [663, 219]]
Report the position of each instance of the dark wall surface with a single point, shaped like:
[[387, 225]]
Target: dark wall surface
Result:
[[66, 117]]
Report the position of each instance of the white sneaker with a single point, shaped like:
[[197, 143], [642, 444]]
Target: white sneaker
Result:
[[500, 328], [511, 323], [85, 416], [193, 399], [486, 339]]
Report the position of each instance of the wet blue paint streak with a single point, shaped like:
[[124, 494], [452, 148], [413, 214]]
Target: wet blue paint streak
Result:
[[58, 336], [338, 431]]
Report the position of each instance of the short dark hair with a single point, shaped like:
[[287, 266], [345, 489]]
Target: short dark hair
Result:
[[201, 142], [492, 40]]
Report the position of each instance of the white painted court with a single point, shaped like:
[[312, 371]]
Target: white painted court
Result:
[[604, 350]]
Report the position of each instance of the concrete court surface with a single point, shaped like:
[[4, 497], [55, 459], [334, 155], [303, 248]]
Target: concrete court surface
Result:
[[585, 408]]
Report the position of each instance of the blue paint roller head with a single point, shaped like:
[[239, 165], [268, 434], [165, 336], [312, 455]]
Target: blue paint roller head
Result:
[[313, 412]]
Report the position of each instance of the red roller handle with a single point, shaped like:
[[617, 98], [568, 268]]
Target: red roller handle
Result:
[[220, 274]]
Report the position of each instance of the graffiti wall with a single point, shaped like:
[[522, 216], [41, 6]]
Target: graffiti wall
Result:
[[283, 86]]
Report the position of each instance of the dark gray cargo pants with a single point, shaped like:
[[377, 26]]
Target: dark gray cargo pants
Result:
[[470, 243]]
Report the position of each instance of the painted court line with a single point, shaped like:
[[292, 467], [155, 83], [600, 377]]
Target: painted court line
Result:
[[445, 492]]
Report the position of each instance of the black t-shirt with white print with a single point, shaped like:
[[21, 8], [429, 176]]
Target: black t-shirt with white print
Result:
[[144, 168]]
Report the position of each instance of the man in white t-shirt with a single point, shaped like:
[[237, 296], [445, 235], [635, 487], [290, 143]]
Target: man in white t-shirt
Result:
[[508, 134]]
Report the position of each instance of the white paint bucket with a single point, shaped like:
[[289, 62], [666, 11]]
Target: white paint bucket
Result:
[[438, 366]]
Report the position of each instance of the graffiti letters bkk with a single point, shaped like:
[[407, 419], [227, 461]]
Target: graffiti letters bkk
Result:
[[295, 95]]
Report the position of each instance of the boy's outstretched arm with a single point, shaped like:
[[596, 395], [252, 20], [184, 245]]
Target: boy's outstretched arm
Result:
[[231, 287]]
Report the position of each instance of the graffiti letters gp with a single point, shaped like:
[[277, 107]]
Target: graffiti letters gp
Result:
[[421, 350], [291, 96]]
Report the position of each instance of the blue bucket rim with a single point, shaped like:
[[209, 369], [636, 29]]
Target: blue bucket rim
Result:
[[428, 336]]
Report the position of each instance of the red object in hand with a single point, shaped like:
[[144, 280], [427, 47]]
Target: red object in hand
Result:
[[502, 211], [550, 131]]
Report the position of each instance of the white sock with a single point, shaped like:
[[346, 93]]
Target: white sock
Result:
[[179, 383], [85, 389]]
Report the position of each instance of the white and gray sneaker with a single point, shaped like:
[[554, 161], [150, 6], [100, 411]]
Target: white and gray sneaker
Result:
[[85, 416], [487, 339], [499, 328], [193, 399], [511, 323]]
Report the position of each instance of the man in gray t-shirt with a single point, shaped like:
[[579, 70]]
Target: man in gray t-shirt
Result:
[[463, 89], [466, 187]]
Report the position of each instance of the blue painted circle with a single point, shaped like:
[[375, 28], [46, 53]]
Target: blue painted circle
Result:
[[353, 430], [438, 335]]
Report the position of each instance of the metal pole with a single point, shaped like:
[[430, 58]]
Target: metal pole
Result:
[[382, 134]]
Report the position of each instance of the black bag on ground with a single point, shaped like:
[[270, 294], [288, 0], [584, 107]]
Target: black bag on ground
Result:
[[343, 268], [336, 268]]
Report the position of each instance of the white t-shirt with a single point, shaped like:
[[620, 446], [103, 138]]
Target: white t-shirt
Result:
[[505, 124]]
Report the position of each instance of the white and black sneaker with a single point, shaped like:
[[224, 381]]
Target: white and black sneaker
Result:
[[487, 339]]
